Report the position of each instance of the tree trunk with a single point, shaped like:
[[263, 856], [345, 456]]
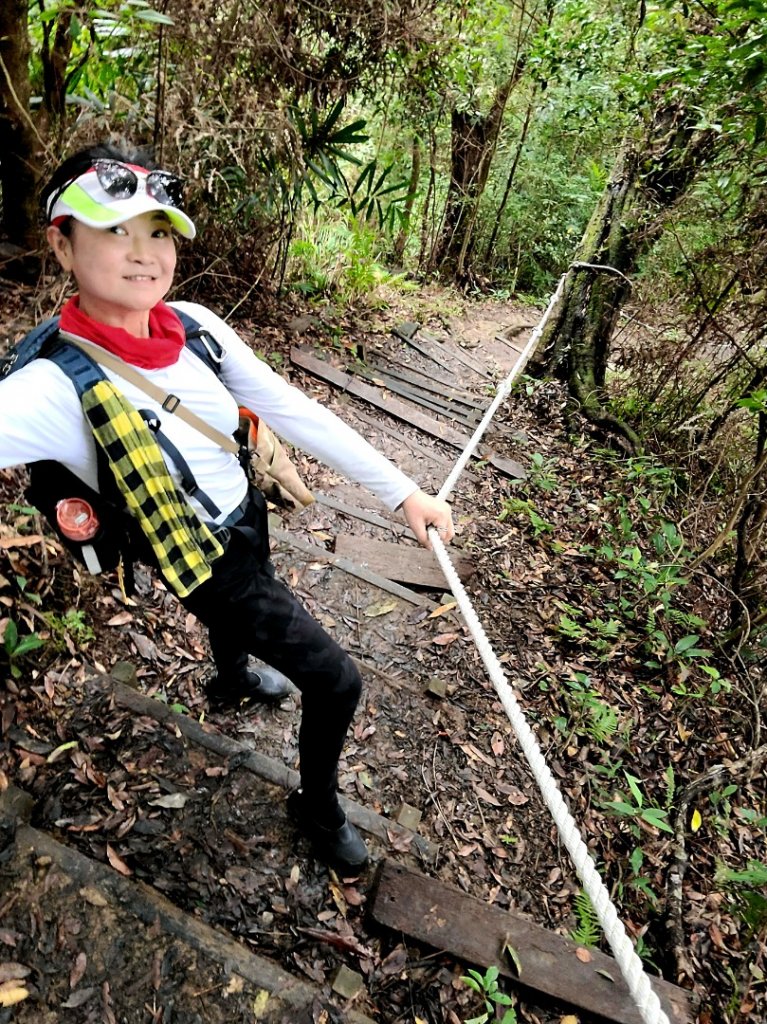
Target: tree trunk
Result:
[[18, 178], [473, 141], [649, 176]]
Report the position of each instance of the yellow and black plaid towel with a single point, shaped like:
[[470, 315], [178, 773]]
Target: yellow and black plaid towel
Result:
[[183, 545]]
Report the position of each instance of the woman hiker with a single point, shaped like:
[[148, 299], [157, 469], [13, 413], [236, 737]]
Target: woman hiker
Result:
[[111, 223]]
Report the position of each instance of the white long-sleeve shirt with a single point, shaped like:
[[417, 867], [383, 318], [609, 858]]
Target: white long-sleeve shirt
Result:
[[41, 419]]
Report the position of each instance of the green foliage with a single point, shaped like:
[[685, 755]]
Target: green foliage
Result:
[[17, 647], [748, 890], [340, 258], [513, 507], [587, 931], [633, 805], [589, 715], [486, 985], [110, 49], [70, 628]]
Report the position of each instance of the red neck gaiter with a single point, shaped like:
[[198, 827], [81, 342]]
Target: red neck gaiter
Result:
[[161, 348]]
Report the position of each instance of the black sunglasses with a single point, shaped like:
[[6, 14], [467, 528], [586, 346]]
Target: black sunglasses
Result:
[[121, 182]]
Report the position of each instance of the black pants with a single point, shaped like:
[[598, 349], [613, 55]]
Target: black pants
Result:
[[246, 609]]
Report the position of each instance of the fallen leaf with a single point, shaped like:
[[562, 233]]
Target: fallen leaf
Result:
[[171, 801], [234, 986], [12, 993], [583, 955], [20, 542], [121, 619], [11, 971], [94, 897], [259, 1003], [517, 798], [56, 754], [488, 798], [79, 998], [77, 972], [497, 745], [381, 608], [569, 1018], [117, 862], [444, 639], [443, 609], [696, 821]]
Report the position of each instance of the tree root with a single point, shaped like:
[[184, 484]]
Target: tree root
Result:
[[744, 766]]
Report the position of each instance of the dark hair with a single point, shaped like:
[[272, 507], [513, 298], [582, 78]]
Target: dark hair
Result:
[[79, 163]]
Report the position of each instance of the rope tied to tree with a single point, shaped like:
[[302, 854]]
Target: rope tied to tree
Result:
[[629, 963]]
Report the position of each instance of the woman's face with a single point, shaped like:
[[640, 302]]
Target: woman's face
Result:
[[121, 272]]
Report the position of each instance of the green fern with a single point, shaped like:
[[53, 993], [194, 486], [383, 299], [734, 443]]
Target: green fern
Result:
[[587, 932]]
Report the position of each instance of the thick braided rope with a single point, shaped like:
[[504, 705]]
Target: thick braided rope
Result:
[[628, 962]]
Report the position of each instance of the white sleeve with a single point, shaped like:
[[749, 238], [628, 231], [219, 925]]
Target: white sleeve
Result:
[[41, 418], [298, 418]]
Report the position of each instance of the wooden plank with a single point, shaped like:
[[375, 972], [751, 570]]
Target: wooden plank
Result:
[[431, 402], [365, 516], [424, 382], [353, 568], [416, 447], [401, 562], [276, 772], [448, 919], [307, 360], [458, 352], [432, 351], [448, 378], [291, 996]]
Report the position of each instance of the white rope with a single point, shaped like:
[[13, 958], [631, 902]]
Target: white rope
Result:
[[628, 962]]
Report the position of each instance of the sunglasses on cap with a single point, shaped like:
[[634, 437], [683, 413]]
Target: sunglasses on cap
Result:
[[120, 181]]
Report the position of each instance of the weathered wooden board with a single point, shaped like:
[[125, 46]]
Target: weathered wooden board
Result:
[[441, 376], [425, 382], [422, 450], [401, 410], [456, 351], [448, 919], [351, 566], [400, 562], [290, 998], [363, 514], [432, 350], [413, 394]]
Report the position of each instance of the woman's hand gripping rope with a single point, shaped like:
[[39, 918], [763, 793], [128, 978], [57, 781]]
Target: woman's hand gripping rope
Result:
[[422, 511]]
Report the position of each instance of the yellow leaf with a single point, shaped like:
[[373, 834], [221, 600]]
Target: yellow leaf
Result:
[[11, 993], [381, 608], [569, 1018], [696, 821], [259, 1003], [443, 609]]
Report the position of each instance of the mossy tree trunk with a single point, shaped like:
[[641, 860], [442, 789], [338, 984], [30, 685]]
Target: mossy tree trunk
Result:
[[649, 176], [18, 157]]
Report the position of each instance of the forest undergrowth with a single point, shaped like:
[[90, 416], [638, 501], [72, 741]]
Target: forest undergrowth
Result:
[[618, 637]]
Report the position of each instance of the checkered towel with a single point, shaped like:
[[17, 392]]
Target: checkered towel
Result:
[[183, 545]]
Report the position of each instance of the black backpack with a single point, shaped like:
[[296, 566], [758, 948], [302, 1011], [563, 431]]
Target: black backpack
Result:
[[119, 537]]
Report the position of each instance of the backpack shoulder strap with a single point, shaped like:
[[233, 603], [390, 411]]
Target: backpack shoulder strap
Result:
[[201, 342], [83, 371], [30, 346]]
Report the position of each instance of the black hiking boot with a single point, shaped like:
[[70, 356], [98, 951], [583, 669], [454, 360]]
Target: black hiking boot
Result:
[[341, 848], [266, 686]]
